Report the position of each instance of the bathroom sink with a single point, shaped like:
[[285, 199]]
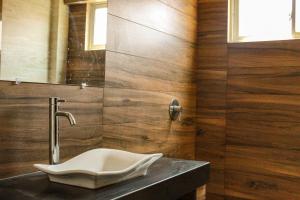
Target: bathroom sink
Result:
[[99, 167]]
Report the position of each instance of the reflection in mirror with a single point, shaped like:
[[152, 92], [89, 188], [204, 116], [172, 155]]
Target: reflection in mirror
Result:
[[53, 41]]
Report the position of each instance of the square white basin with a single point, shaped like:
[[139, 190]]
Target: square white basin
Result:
[[100, 167]]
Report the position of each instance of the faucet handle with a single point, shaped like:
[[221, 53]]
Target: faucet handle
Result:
[[61, 100]]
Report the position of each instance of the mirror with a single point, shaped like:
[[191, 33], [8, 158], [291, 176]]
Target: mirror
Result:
[[53, 41]]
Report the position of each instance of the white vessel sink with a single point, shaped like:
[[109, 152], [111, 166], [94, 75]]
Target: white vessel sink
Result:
[[99, 167]]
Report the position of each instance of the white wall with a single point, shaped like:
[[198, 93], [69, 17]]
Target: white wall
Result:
[[25, 40]]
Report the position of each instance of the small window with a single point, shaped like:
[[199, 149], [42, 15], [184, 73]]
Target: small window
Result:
[[297, 18], [262, 20], [96, 26]]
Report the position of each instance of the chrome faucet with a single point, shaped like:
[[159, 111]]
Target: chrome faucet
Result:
[[54, 115]]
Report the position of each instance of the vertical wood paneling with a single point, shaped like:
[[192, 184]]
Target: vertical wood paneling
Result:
[[212, 56]]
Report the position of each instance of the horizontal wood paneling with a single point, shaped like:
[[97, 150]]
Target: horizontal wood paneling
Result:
[[251, 57], [276, 108], [132, 72], [172, 139], [156, 15], [24, 111], [263, 119], [212, 15], [138, 120], [272, 161], [188, 7], [150, 60], [279, 135], [253, 186], [265, 80], [130, 38], [247, 111]]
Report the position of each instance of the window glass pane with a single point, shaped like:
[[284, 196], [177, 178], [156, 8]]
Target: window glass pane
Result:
[[297, 15], [0, 35], [100, 26], [265, 19]]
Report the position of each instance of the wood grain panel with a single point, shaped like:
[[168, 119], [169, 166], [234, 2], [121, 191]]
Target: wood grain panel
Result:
[[212, 81], [123, 106], [83, 66], [171, 139], [276, 108], [150, 60], [142, 106], [188, 7], [247, 111], [261, 133], [272, 161], [166, 19], [24, 125], [215, 196], [262, 57], [212, 15], [130, 38], [71, 2], [262, 121], [260, 187], [212, 37], [138, 120], [132, 72], [279, 135], [201, 193], [212, 61], [265, 80], [278, 44]]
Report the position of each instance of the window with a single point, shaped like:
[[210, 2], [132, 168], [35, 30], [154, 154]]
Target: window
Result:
[[262, 20], [297, 17], [96, 26]]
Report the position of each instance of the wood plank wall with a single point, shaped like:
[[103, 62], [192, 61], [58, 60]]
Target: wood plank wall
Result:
[[248, 111], [83, 66], [211, 81], [263, 121], [24, 135], [149, 61]]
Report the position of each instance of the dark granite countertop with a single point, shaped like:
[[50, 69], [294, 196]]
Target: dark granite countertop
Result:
[[167, 179]]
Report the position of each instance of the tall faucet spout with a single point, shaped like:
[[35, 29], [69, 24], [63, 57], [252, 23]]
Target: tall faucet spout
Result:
[[68, 115], [54, 114]]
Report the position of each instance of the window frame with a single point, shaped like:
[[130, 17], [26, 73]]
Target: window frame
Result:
[[233, 23], [295, 34], [90, 26]]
